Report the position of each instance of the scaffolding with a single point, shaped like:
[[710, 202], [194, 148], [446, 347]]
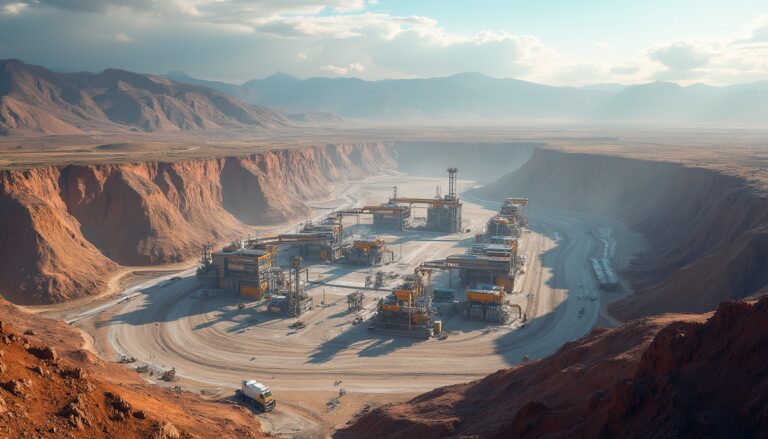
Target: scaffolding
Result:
[[355, 301], [299, 301]]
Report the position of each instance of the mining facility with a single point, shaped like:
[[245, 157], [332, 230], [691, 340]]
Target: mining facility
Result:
[[485, 273]]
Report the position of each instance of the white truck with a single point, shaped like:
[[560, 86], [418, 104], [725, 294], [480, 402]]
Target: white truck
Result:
[[257, 395]]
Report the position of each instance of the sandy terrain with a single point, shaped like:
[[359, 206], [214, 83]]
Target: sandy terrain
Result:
[[213, 345]]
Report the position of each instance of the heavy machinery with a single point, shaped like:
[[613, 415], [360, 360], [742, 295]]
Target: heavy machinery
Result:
[[513, 209], [408, 310], [257, 395], [368, 252], [486, 302]]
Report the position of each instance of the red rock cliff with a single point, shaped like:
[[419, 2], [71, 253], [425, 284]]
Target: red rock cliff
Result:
[[669, 376], [65, 229]]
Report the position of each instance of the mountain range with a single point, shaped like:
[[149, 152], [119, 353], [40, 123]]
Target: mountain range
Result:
[[476, 96], [35, 100]]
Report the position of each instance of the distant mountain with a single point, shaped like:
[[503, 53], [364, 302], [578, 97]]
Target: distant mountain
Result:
[[473, 96], [670, 102], [35, 100], [464, 95], [610, 87], [238, 91]]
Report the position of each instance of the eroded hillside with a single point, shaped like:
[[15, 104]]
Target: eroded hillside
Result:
[[707, 230], [665, 376], [73, 224], [50, 387]]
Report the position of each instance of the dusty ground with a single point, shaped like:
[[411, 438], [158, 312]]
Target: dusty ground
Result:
[[213, 345], [695, 145]]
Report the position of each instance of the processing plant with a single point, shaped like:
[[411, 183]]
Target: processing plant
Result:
[[408, 310]]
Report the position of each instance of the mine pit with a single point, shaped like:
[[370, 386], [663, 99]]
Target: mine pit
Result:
[[395, 281]]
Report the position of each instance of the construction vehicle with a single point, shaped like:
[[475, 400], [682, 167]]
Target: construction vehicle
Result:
[[256, 394]]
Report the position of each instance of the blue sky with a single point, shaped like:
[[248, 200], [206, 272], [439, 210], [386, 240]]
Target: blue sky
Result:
[[549, 41]]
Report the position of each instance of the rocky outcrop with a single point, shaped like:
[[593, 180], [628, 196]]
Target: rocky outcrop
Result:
[[666, 376], [69, 226], [51, 388], [708, 232]]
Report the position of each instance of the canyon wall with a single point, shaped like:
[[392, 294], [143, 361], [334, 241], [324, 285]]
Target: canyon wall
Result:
[[708, 232], [64, 229], [665, 376]]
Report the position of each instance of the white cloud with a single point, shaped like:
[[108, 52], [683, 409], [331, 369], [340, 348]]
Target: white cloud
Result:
[[307, 37], [14, 8], [343, 71], [681, 55], [335, 70], [123, 38]]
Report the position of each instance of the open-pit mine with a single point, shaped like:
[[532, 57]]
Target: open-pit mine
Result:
[[177, 263]]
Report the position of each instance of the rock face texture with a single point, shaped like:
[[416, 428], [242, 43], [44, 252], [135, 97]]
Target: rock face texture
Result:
[[708, 232], [51, 388], [665, 376], [66, 228], [35, 100]]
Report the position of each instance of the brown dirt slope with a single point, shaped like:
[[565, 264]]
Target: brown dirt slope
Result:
[[35, 100], [708, 232], [51, 388], [671, 376], [72, 223]]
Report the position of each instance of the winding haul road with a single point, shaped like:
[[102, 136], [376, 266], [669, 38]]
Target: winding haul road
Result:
[[210, 342]]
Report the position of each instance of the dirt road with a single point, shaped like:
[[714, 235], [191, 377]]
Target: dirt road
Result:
[[213, 344]]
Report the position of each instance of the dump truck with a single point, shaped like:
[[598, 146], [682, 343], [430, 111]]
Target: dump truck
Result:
[[256, 394]]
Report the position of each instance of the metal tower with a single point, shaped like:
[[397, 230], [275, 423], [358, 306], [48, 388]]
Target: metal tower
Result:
[[452, 183]]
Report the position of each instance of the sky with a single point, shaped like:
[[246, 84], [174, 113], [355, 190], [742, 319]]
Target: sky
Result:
[[559, 42]]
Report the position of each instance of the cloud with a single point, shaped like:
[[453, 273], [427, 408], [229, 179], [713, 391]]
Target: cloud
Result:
[[13, 8], [212, 10], [123, 38], [335, 70], [343, 71], [625, 69], [244, 39], [680, 55]]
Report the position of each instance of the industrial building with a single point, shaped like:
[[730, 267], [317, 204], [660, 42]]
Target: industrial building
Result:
[[235, 268], [408, 310], [443, 213], [515, 209], [368, 252]]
